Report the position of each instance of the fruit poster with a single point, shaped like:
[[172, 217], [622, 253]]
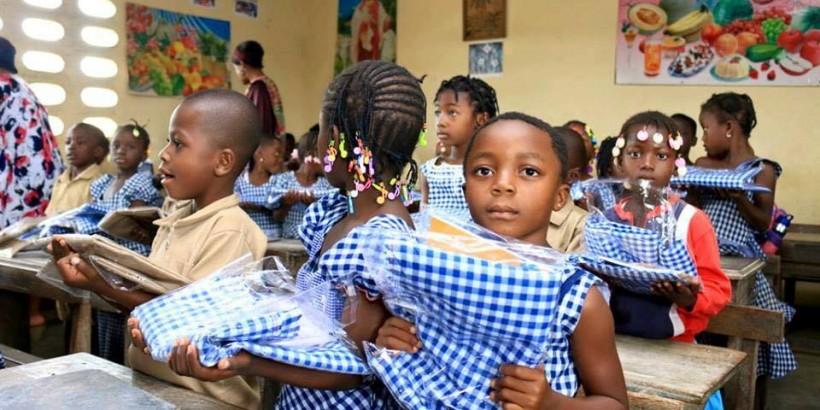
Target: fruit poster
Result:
[[718, 42], [366, 31], [172, 54]]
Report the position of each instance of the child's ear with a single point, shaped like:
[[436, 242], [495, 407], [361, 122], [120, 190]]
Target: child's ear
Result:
[[481, 119], [561, 197], [225, 162], [99, 154]]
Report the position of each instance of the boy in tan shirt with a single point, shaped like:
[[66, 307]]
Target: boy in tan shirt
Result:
[[212, 135], [86, 148], [566, 231]]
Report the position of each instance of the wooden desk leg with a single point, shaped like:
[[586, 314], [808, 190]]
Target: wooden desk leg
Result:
[[14, 314], [740, 391], [81, 328]]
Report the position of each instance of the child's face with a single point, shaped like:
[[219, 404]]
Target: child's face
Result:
[[127, 151], [271, 156], [648, 159], [513, 177], [190, 158], [81, 149], [455, 118], [590, 150], [714, 135]]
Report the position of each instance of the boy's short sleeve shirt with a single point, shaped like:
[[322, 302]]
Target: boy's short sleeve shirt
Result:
[[197, 244], [70, 193], [566, 231]]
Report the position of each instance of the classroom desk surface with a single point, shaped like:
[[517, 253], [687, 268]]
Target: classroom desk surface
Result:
[[741, 271], [286, 245], [662, 374], [179, 397]]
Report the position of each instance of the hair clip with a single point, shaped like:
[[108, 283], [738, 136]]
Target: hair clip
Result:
[[677, 142], [643, 135], [423, 137], [620, 142], [657, 138], [616, 152], [680, 163], [295, 154], [137, 127], [342, 147]]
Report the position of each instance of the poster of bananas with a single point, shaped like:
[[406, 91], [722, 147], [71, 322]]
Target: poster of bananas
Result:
[[171, 54], [728, 42]]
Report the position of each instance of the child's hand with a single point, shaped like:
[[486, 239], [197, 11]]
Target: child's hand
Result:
[[683, 293], [398, 334], [520, 387], [75, 271], [184, 360], [136, 335], [291, 197], [307, 198]]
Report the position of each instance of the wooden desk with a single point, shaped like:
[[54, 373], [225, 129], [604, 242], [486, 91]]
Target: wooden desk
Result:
[[180, 397], [25, 281], [741, 271], [661, 374], [800, 258], [291, 251]]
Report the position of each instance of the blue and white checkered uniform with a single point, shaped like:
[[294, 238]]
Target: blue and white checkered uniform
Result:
[[737, 238], [257, 195], [741, 178], [287, 182], [445, 186], [343, 258], [472, 316], [2, 361]]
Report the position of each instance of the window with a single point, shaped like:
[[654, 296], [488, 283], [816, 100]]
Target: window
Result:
[[98, 67], [42, 29], [107, 125], [46, 4], [43, 61], [48, 94], [97, 97], [98, 8], [57, 124], [99, 36]]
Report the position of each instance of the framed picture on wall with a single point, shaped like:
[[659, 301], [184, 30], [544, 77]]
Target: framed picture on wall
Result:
[[487, 59], [484, 19]]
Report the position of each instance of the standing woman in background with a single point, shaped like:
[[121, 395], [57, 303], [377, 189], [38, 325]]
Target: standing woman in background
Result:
[[262, 91], [30, 159]]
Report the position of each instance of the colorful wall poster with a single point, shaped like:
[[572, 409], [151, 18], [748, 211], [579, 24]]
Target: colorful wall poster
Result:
[[171, 54], [366, 31], [718, 42], [484, 19], [486, 59]]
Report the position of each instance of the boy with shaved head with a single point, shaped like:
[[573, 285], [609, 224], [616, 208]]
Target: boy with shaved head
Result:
[[212, 135]]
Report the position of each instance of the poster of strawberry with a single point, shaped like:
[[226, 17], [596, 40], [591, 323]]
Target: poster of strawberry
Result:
[[173, 54], [718, 42]]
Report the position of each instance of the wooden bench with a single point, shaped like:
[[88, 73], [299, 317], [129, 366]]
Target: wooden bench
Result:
[[662, 374], [741, 272], [14, 357], [800, 258]]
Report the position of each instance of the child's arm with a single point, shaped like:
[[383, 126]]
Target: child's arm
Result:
[[78, 273], [593, 350], [424, 189], [288, 199], [759, 211]]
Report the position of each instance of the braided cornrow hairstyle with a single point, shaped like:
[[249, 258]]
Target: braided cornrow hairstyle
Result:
[[383, 104], [733, 106], [482, 95]]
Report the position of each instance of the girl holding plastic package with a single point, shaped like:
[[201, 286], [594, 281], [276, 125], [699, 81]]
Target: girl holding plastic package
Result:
[[371, 121]]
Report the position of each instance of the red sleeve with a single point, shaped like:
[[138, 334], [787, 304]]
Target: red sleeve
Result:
[[259, 96], [716, 290]]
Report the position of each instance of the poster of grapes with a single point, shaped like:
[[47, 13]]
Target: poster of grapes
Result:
[[728, 42], [173, 54]]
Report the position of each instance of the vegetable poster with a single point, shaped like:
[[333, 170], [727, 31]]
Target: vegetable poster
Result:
[[718, 42], [366, 31], [170, 54]]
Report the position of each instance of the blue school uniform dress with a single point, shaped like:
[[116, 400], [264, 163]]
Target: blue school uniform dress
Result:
[[2, 361], [737, 238], [257, 195], [287, 182], [110, 330], [344, 257], [445, 186]]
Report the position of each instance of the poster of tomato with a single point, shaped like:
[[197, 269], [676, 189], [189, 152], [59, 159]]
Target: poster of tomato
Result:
[[172, 54], [718, 42]]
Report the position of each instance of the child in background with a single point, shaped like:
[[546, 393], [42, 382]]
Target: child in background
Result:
[[566, 231], [293, 191], [589, 145], [212, 136], [514, 171], [604, 166], [86, 148], [291, 156], [396, 110], [253, 186], [463, 104], [688, 128], [727, 120]]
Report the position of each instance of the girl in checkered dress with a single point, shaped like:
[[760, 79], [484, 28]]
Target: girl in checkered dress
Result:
[[254, 185], [727, 120], [462, 105], [514, 173], [292, 192]]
